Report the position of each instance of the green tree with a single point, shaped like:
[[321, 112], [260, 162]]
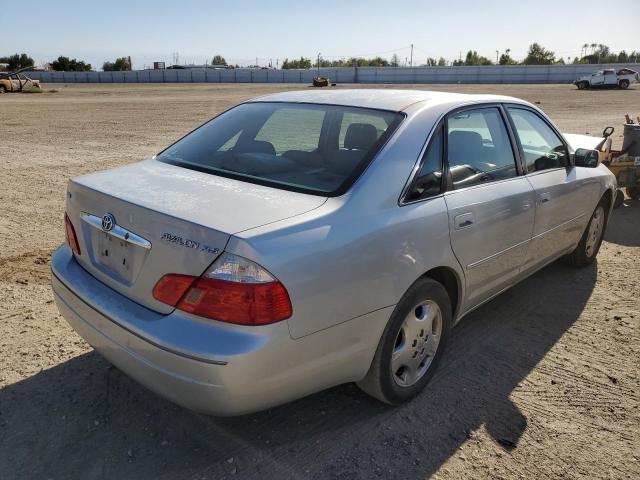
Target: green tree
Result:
[[395, 60], [442, 62], [583, 51], [64, 64], [218, 60], [120, 65], [538, 55], [378, 62], [473, 58], [18, 61], [301, 63], [505, 58]]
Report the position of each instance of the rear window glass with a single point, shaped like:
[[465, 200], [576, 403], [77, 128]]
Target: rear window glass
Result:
[[318, 149]]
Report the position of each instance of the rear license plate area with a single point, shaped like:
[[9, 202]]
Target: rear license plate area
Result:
[[116, 255]]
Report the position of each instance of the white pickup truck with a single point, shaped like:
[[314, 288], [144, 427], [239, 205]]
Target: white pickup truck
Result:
[[608, 78]]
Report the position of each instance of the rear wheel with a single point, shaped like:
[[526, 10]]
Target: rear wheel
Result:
[[412, 344], [582, 85], [586, 251], [2, 89], [623, 84]]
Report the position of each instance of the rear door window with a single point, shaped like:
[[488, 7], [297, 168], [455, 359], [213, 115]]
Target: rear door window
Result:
[[478, 148]]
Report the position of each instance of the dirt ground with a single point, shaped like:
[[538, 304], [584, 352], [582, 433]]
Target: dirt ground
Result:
[[543, 382]]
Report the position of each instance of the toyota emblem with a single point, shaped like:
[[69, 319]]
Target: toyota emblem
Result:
[[108, 221]]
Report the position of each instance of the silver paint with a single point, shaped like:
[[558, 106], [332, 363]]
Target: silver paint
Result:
[[345, 261]]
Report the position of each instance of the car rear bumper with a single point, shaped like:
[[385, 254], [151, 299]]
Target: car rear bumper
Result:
[[210, 366]]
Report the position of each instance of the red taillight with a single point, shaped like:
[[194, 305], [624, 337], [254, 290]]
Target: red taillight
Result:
[[72, 240], [171, 288], [244, 303], [232, 301]]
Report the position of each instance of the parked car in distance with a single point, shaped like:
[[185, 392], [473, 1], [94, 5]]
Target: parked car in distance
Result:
[[306, 239], [16, 82], [608, 77]]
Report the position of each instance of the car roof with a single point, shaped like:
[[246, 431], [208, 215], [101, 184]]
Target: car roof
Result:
[[379, 98]]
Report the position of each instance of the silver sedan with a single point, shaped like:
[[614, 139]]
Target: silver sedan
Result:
[[307, 239]]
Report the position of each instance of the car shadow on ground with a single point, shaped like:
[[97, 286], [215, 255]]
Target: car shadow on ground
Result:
[[624, 227], [85, 419]]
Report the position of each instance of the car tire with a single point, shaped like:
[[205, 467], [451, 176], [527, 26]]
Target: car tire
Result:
[[582, 85], [407, 340], [623, 84], [619, 201], [587, 250], [633, 192], [2, 89]]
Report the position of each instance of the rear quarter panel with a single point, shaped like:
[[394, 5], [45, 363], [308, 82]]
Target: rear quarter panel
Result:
[[360, 252]]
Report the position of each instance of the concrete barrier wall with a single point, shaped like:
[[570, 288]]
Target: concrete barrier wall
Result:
[[488, 74]]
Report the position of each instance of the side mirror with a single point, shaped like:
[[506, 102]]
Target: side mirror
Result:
[[586, 158], [607, 132]]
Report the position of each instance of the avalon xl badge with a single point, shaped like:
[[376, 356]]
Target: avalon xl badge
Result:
[[108, 221]]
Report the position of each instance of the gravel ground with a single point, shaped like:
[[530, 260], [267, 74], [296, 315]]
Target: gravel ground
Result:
[[541, 382]]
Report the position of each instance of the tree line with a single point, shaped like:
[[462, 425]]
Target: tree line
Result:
[[64, 64], [536, 55]]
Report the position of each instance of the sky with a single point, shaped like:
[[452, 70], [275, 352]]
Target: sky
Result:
[[243, 30]]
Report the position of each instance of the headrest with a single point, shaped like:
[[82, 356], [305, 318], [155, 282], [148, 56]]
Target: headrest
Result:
[[255, 146], [465, 140], [360, 136]]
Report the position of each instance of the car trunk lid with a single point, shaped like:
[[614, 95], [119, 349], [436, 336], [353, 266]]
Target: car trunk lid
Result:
[[137, 223]]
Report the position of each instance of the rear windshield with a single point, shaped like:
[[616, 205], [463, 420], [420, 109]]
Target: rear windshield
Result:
[[317, 149]]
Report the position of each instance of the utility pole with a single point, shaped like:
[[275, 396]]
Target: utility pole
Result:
[[319, 63], [277, 63], [411, 55], [497, 61], [256, 61]]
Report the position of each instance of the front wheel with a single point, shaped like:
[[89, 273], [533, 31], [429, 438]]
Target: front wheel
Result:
[[586, 251], [412, 344], [623, 84], [581, 85]]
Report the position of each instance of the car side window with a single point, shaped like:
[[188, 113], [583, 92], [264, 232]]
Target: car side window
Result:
[[428, 180], [542, 147], [478, 148]]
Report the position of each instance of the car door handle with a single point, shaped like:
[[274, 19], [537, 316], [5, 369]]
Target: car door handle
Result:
[[463, 220], [544, 198]]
